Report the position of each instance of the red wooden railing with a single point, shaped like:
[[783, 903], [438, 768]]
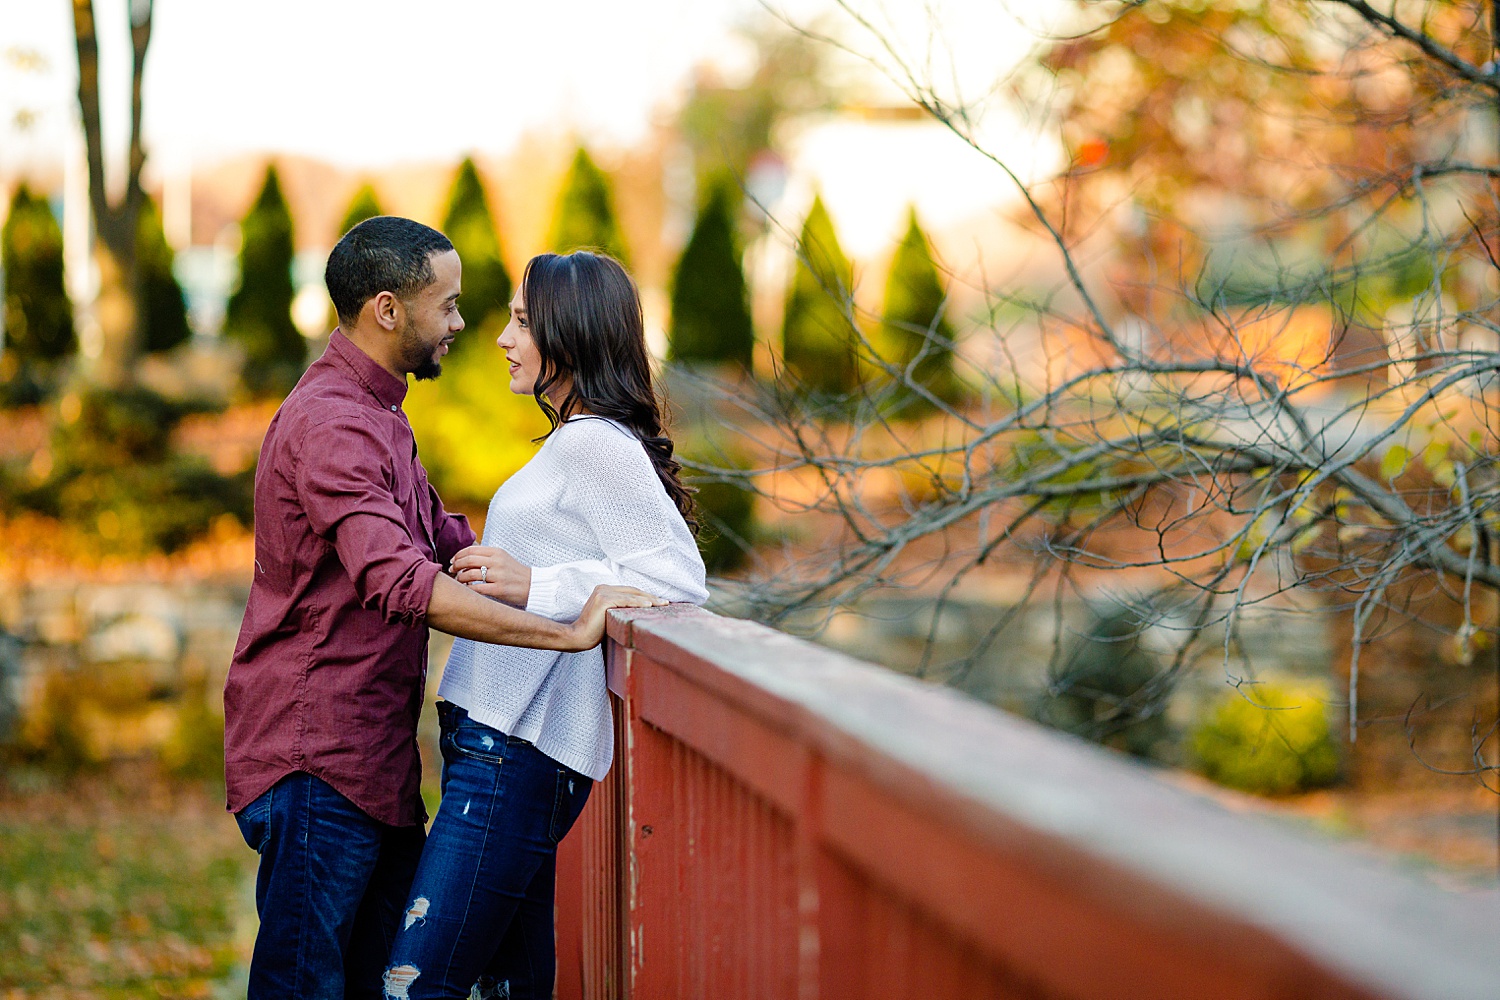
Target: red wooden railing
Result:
[[783, 821]]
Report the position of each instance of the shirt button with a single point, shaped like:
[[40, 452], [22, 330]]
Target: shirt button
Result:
[[393, 409]]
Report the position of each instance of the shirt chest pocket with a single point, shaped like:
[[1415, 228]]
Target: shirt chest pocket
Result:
[[410, 491]]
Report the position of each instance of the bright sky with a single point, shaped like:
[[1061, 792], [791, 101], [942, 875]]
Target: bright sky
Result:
[[373, 82], [366, 82]]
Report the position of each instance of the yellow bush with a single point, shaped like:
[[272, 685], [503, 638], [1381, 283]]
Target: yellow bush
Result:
[[1272, 739], [472, 433]]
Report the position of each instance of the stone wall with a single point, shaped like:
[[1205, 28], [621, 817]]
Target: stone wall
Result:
[[133, 651]]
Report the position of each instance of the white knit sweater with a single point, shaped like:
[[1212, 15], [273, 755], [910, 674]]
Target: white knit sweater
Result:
[[587, 509]]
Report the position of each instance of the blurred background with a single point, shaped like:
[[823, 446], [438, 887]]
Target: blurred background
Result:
[[1126, 366]]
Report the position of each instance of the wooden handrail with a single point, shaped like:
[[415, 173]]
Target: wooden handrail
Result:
[[784, 821]]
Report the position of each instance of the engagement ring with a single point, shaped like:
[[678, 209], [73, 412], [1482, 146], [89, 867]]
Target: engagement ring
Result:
[[484, 574]]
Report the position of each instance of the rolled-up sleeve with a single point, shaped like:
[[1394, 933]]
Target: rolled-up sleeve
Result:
[[342, 480]]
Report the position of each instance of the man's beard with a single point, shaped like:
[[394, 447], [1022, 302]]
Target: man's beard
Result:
[[417, 357]]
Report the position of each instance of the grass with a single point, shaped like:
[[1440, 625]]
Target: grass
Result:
[[121, 887]]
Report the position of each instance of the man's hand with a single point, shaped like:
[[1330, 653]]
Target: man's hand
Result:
[[589, 628], [457, 610], [494, 573]]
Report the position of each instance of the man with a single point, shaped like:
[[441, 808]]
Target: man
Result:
[[323, 693]]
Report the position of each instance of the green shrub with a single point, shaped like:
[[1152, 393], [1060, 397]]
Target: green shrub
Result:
[[818, 340], [39, 330], [114, 476], [51, 735], [196, 747], [1111, 689], [585, 216], [259, 313], [1273, 739], [472, 432], [364, 205], [486, 283], [914, 333], [710, 308], [163, 319], [726, 518], [726, 509]]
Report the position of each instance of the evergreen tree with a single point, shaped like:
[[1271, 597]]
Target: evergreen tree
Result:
[[710, 312], [585, 216], [38, 315], [163, 320], [818, 341], [486, 282], [364, 205], [913, 326], [259, 314]]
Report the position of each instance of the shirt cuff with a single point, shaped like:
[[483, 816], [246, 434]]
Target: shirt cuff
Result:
[[423, 579], [542, 598]]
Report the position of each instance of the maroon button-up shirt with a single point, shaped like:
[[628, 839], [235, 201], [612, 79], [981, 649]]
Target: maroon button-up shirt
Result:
[[328, 674]]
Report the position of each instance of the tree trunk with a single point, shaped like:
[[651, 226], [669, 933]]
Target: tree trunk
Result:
[[117, 312], [118, 307]]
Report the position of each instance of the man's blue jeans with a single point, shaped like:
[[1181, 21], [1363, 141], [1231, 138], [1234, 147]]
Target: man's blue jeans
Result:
[[480, 911], [329, 892]]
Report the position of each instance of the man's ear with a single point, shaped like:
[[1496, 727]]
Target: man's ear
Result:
[[387, 309]]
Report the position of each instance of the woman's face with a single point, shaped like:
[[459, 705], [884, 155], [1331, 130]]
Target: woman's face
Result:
[[520, 350]]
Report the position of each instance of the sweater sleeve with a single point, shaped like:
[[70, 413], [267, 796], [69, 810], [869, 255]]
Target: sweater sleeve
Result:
[[613, 488]]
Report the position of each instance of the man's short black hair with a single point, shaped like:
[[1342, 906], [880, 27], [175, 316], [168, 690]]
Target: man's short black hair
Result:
[[383, 254]]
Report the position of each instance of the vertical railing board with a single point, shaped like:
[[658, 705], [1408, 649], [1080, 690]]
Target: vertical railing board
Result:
[[770, 763], [1013, 912], [881, 947], [713, 854], [572, 870], [593, 876]]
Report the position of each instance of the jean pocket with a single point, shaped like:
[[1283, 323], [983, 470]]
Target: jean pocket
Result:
[[472, 739], [255, 822], [568, 801]]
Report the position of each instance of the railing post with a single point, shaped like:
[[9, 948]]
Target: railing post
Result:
[[810, 958]]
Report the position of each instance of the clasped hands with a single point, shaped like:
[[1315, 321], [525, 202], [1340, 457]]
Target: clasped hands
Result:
[[494, 573]]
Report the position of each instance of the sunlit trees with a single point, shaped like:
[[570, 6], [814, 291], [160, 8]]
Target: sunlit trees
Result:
[[585, 216], [486, 283], [364, 205], [710, 310], [819, 343], [1259, 378], [38, 316], [915, 337], [259, 313], [163, 317]]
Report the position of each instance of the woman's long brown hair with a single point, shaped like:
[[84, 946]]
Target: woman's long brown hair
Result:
[[584, 314]]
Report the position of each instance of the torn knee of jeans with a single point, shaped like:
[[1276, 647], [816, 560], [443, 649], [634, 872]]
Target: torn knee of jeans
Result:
[[489, 988], [398, 980], [417, 914]]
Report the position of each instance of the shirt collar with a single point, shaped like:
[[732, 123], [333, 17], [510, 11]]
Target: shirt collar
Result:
[[387, 389]]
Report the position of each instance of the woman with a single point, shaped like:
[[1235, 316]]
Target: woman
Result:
[[525, 733]]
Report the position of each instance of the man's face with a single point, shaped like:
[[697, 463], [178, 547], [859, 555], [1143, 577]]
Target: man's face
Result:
[[432, 319]]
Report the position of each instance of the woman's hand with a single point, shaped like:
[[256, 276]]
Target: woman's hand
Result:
[[494, 573]]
